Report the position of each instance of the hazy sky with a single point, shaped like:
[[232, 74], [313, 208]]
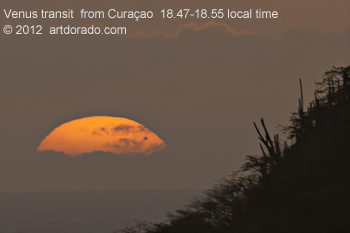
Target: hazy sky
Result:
[[199, 90]]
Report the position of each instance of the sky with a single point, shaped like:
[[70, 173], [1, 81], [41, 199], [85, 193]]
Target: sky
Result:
[[198, 84]]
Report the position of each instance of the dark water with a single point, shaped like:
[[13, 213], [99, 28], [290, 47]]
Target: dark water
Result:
[[85, 212]]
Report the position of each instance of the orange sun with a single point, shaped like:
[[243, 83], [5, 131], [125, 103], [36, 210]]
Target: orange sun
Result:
[[102, 133]]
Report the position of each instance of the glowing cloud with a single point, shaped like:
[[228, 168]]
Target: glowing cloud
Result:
[[102, 133]]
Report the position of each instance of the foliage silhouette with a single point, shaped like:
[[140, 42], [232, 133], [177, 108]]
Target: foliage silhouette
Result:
[[303, 188]]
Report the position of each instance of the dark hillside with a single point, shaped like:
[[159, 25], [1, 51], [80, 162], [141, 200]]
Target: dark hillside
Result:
[[309, 189], [302, 187]]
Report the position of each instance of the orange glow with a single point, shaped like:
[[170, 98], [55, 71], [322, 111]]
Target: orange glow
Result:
[[102, 133]]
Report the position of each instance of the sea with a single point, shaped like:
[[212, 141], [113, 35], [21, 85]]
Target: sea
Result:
[[87, 211]]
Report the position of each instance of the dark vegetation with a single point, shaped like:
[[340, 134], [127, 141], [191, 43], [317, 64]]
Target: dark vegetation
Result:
[[302, 187]]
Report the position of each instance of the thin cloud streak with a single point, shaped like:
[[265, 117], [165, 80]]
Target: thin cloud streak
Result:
[[192, 26]]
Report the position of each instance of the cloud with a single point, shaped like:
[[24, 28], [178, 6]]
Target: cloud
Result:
[[191, 26], [129, 128], [120, 129], [128, 145]]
